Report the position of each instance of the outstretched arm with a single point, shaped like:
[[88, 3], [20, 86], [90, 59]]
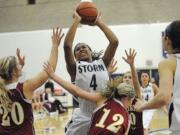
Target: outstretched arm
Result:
[[130, 60], [74, 90], [155, 88], [35, 82], [68, 43], [113, 41]]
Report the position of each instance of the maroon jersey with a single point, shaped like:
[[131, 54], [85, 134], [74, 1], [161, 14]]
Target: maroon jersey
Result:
[[19, 121], [109, 119], [136, 127]]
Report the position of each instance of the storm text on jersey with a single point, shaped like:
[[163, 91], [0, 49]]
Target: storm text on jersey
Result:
[[90, 68]]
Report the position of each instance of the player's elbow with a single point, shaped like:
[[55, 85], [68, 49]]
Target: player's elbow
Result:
[[115, 42], [163, 102], [67, 46], [76, 93], [164, 99]]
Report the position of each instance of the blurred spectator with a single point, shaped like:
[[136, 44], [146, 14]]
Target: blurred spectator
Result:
[[51, 103]]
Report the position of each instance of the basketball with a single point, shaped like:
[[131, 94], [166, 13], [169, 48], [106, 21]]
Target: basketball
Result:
[[88, 12]]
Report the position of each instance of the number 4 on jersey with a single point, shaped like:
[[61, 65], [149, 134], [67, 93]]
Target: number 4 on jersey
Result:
[[93, 83]]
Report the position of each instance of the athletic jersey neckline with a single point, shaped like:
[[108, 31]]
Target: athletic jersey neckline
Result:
[[11, 86]]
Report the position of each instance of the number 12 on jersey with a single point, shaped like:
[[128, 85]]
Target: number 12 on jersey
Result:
[[117, 121]]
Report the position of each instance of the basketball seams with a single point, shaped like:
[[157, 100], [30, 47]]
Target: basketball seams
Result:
[[87, 17], [87, 11], [93, 11], [79, 9], [83, 5]]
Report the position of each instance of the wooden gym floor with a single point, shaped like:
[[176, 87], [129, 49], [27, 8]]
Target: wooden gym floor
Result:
[[54, 125]]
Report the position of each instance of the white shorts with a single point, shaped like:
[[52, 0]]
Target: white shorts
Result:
[[147, 117], [174, 133], [79, 124], [175, 124]]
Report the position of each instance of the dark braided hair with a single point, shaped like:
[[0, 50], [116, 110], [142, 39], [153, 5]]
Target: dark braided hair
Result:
[[95, 55]]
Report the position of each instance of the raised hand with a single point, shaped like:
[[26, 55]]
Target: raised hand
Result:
[[21, 59], [98, 18], [76, 16], [57, 36], [130, 56], [139, 105], [48, 68], [97, 21], [112, 66]]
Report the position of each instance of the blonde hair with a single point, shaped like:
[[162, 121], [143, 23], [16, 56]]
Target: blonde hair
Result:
[[111, 86], [128, 72], [4, 98], [125, 89], [116, 88], [7, 65]]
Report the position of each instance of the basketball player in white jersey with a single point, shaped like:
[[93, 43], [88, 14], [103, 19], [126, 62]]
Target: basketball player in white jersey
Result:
[[169, 71], [149, 90], [86, 72]]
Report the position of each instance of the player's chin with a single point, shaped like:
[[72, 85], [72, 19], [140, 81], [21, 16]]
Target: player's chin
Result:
[[128, 82], [83, 56], [84, 59]]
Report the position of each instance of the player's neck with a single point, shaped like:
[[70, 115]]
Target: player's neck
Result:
[[144, 85], [125, 103]]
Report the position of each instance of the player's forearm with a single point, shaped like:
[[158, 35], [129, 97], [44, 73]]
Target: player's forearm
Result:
[[53, 56], [108, 32], [68, 42], [135, 81], [157, 102], [76, 91]]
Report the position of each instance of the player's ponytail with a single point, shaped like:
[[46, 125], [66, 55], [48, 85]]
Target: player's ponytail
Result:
[[97, 55], [4, 98], [7, 65]]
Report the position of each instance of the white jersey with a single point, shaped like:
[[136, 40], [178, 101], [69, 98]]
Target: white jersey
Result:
[[174, 109], [147, 94], [91, 77]]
